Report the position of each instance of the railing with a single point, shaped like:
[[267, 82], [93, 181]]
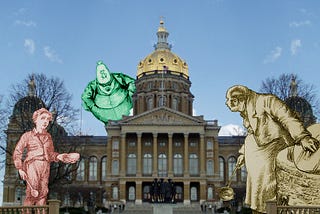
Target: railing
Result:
[[51, 208], [25, 210], [273, 208]]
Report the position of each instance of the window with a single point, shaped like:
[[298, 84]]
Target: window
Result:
[[80, 170], [162, 101], [162, 165], [209, 145], [177, 144], [132, 164], [193, 194], [104, 168], [210, 193], [115, 145], [231, 166], [221, 168], [132, 144], [193, 164], [93, 165], [210, 167], [115, 193], [177, 164], [243, 174], [150, 104], [147, 164], [193, 144], [175, 104], [162, 143], [132, 193], [115, 167], [147, 143]]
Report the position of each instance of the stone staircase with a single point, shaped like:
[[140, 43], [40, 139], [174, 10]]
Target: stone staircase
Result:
[[147, 208]]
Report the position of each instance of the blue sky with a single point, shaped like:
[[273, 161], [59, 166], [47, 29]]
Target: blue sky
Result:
[[224, 42]]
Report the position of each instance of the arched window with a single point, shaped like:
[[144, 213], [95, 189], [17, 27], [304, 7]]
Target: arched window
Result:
[[210, 167], [162, 101], [132, 164], [243, 174], [115, 167], [175, 104], [221, 168], [81, 170], [150, 104], [93, 165], [210, 193], [104, 168], [193, 194], [193, 164], [132, 193], [177, 164], [147, 164], [115, 193], [231, 166], [162, 165]]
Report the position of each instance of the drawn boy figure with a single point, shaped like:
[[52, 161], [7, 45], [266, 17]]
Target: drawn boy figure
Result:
[[35, 167]]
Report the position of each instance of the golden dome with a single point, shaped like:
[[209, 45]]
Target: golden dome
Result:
[[162, 59]]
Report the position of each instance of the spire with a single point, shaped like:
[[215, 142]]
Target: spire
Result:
[[162, 37], [293, 87], [32, 87]]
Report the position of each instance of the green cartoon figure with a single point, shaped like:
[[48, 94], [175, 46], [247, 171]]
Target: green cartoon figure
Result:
[[109, 96]]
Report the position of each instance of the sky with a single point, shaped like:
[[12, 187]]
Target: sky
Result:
[[224, 42]]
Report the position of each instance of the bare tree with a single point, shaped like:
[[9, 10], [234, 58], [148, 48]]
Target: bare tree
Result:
[[54, 95], [281, 88]]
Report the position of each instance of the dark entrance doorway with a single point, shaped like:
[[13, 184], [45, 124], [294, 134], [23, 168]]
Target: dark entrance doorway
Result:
[[131, 191]]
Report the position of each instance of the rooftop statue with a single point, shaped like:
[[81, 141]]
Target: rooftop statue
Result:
[[109, 96]]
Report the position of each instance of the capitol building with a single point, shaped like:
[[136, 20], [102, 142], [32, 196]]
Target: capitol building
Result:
[[161, 140]]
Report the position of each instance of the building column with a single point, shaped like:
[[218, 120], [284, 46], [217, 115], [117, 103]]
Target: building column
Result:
[[155, 155], [186, 155], [202, 156], [122, 190], [109, 156], [138, 192], [186, 192], [216, 156], [139, 155], [203, 191], [123, 155], [170, 156]]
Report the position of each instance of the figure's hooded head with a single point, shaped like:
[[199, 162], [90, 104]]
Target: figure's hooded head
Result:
[[103, 73]]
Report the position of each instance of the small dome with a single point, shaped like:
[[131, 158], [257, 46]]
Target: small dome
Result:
[[303, 108], [28, 104], [160, 60]]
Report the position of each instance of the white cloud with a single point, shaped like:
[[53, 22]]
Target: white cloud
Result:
[[273, 55], [51, 54], [26, 23], [29, 45], [300, 24], [295, 44], [232, 130]]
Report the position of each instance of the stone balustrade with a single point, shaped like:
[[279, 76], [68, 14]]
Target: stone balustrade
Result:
[[52, 208]]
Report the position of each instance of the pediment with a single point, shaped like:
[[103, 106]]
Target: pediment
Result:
[[163, 116]]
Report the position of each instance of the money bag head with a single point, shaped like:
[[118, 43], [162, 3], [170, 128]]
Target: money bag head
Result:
[[103, 73]]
